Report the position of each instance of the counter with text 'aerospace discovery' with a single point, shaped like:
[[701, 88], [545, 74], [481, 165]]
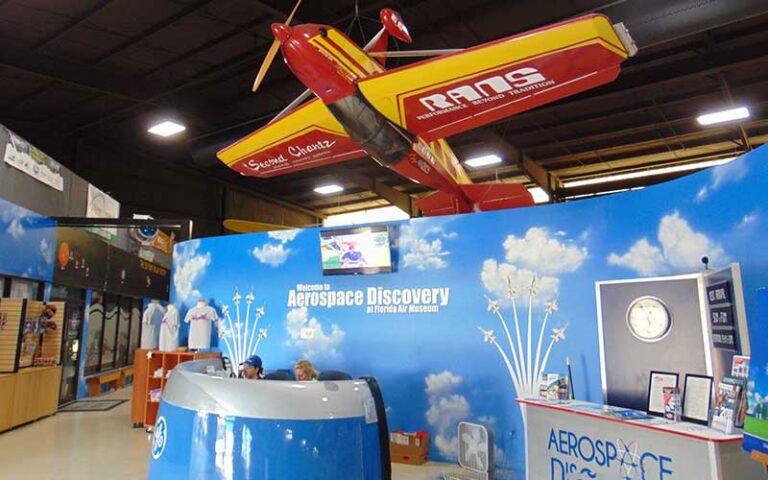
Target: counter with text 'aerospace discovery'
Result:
[[216, 428]]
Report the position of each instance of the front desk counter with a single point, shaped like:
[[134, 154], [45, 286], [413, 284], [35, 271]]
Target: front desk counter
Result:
[[577, 440]]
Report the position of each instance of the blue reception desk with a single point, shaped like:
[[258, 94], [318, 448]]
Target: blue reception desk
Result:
[[217, 428]]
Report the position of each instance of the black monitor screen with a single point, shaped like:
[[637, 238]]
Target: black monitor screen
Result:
[[356, 250]]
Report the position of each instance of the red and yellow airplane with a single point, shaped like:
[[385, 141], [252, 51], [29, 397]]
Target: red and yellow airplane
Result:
[[401, 117]]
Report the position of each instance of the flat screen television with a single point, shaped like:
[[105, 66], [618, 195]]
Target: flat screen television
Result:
[[360, 250]]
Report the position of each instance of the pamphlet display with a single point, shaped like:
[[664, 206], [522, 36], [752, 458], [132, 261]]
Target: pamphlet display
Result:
[[672, 410], [554, 386], [657, 382], [727, 401]]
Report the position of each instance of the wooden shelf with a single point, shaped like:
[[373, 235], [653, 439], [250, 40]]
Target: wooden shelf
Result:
[[147, 362]]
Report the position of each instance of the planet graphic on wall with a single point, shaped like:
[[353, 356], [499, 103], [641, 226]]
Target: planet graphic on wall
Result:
[[63, 255]]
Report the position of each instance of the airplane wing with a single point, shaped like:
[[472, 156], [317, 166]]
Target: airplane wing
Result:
[[447, 95], [308, 137]]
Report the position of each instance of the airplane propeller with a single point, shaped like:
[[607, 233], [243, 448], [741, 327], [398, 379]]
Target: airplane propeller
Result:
[[272, 52]]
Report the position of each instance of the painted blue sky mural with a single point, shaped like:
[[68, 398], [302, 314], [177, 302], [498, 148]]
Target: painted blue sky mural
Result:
[[437, 368], [28, 242]]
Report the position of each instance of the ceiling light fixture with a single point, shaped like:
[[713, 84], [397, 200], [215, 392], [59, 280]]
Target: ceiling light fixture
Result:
[[483, 161], [723, 116], [166, 128], [539, 195], [646, 173], [329, 189]]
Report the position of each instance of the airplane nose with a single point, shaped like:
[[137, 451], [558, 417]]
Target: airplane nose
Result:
[[281, 31]]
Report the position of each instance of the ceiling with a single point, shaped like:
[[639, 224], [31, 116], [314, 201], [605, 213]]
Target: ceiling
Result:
[[107, 69]]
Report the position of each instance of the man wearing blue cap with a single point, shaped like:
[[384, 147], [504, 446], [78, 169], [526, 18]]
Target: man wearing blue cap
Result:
[[252, 369]]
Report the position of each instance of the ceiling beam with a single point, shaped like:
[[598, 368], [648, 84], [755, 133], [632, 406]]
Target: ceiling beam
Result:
[[729, 98], [84, 77], [397, 198], [544, 179], [76, 22]]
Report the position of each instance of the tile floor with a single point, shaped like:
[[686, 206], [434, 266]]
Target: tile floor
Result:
[[102, 445]]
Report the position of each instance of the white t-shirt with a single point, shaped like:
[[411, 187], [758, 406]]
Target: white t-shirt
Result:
[[150, 320], [169, 330], [200, 318]]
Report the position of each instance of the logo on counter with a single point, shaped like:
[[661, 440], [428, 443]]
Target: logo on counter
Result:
[[581, 457], [160, 438]]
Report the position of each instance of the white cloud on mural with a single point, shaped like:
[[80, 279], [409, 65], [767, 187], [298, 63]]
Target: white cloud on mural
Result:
[[271, 254], [46, 252], [440, 383], [13, 216], [749, 219], [683, 247], [680, 249], [543, 253], [446, 410], [642, 257], [189, 266], [15, 229], [308, 335], [284, 236], [731, 172], [421, 250], [496, 278], [275, 254], [538, 254]]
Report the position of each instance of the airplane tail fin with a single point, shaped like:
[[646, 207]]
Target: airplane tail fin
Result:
[[438, 203], [498, 196], [481, 197]]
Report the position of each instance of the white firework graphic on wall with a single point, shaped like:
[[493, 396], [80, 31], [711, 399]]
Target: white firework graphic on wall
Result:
[[523, 366], [241, 336]]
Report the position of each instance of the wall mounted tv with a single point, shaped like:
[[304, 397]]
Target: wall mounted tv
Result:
[[360, 250]]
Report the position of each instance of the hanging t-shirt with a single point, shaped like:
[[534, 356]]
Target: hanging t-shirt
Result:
[[150, 321], [200, 319], [169, 330]]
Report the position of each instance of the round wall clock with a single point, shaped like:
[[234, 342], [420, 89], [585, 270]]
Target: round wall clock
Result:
[[648, 319]]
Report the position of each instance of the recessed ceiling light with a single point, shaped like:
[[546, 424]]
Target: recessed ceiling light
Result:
[[483, 161], [723, 116], [328, 189], [167, 128], [539, 195]]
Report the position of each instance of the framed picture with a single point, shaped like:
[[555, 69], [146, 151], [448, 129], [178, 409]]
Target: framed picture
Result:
[[656, 384], [697, 398]]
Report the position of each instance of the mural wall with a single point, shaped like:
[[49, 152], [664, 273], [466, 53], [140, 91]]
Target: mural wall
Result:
[[478, 303], [27, 242]]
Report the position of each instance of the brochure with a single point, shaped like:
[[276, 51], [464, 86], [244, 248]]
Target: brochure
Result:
[[672, 410], [726, 403]]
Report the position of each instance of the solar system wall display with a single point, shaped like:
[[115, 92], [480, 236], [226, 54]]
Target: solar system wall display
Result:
[[579, 297]]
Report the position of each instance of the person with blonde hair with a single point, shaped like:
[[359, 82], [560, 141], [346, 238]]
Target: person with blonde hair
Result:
[[305, 371]]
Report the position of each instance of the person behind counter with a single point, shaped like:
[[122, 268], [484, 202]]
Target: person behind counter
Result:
[[305, 371], [252, 368]]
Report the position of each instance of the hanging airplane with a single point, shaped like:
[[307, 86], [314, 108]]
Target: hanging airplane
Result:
[[401, 117]]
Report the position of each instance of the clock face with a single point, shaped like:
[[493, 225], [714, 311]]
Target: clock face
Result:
[[648, 319]]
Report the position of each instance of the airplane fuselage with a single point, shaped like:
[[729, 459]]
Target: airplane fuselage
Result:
[[327, 62]]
